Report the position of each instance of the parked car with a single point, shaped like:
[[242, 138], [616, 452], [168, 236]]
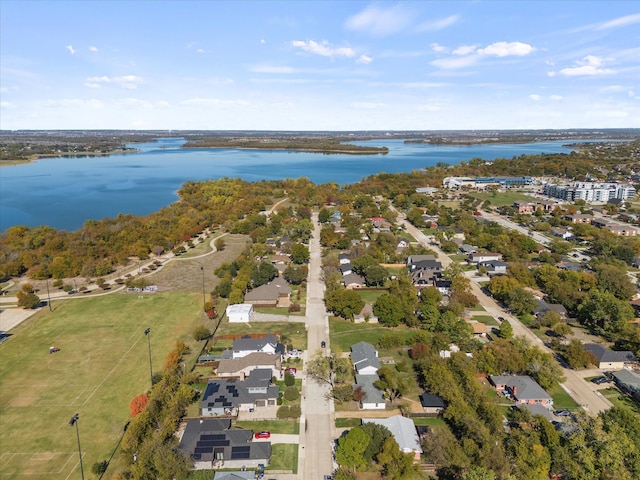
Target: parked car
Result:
[[291, 370], [323, 344], [600, 380], [562, 413], [262, 435], [501, 319]]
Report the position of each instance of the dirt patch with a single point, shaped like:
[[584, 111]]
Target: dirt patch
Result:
[[184, 274]]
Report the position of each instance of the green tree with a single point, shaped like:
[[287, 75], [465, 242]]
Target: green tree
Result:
[[351, 448], [506, 330], [520, 301], [201, 333], [299, 253], [603, 312], [576, 355], [324, 215], [295, 274], [27, 297], [376, 275], [219, 244], [389, 309], [342, 302]]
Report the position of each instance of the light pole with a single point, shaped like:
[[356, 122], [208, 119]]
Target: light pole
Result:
[[147, 333], [72, 422], [204, 302], [48, 296]]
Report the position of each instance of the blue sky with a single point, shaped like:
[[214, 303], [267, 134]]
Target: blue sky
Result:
[[330, 65]]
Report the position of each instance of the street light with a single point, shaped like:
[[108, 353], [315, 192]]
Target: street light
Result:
[[147, 333], [72, 422], [203, 295]]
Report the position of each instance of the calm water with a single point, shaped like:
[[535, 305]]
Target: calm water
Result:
[[65, 192]]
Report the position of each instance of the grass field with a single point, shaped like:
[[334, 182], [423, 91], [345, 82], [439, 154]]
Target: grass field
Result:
[[344, 333], [102, 364], [284, 456], [561, 399], [501, 199]]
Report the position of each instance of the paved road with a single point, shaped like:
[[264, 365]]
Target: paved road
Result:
[[499, 219], [317, 429], [582, 392]]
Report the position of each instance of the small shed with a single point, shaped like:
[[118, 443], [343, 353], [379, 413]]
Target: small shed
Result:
[[239, 313]]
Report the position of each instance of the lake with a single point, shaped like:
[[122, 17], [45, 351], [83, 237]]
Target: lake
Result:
[[64, 192]]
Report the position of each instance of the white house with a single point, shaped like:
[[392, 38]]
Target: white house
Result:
[[239, 313], [484, 257], [246, 345], [373, 397], [364, 358], [404, 432]]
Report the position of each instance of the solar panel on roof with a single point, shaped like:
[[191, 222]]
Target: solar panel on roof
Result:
[[209, 436], [238, 453], [196, 456], [203, 450]]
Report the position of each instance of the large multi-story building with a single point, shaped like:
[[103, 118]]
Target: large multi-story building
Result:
[[482, 182], [590, 192]]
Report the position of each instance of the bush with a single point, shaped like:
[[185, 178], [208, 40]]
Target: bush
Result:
[[291, 393], [201, 333], [289, 379], [287, 411], [294, 307], [99, 468]]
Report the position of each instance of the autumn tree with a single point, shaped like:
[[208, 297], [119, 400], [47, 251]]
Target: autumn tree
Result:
[[138, 403]]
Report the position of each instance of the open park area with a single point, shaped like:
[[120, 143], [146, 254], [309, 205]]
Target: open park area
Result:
[[103, 362]]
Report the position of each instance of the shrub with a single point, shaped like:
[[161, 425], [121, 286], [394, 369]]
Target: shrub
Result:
[[289, 379], [201, 333], [99, 468], [138, 403], [291, 393], [294, 307]]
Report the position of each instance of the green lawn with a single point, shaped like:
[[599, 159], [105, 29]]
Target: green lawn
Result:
[[294, 330], [273, 426], [281, 311], [344, 333], [370, 296], [348, 422], [621, 400], [561, 399], [103, 363], [284, 456], [433, 422], [486, 319], [501, 199]]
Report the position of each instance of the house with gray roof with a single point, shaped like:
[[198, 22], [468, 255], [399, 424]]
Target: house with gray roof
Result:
[[353, 280], [246, 345], [521, 388], [536, 409], [431, 403], [610, 359], [235, 475], [364, 358], [543, 307], [229, 396], [373, 397], [404, 433], [241, 367], [628, 381], [210, 444]]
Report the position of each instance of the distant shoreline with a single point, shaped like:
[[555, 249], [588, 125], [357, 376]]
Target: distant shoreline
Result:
[[42, 156]]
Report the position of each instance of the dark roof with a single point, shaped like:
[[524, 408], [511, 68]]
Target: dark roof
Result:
[[429, 400], [231, 392], [255, 344], [603, 354], [201, 439], [346, 267]]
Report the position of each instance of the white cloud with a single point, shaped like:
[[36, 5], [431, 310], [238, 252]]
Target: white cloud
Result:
[[93, 49], [438, 48], [455, 62], [71, 49], [75, 102], [7, 105], [263, 41], [213, 102], [364, 59], [129, 82], [428, 108], [620, 22], [535, 98], [588, 66], [556, 97], [506, 49], [440, 24], [201, 50], [380, 21], [324, 49], [464, 50]]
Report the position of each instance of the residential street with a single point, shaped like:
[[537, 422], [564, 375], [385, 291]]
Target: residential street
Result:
[[317, 429], [581, 391]]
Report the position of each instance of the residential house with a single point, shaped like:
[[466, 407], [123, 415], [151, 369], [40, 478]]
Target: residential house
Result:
[[431, 403], [241, 367], [443, 286], [524, 207], [563, 233], [543, 307], [235, 475], [381, 224], [373, 398], [239, 313], [426, 190], [404, 433], [537, 409], [364, 358], [523, 389], [270, 242], [346, 269], [423, 262], [366, 315], [484, 257], [610, 359], [246, 345], [229, 396], [344, 259], [620, 229], [480, 330], [353, 280], [402, 243], [494, 267], [269, 295], [211, 444], [467, 249], [628, 381], [453, 348]]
